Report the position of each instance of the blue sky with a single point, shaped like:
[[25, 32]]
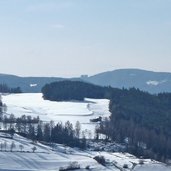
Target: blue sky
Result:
[[73, 37]]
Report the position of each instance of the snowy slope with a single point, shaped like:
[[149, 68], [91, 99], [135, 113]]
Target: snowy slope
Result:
[[47, 158], [51, 159], [33, 104]]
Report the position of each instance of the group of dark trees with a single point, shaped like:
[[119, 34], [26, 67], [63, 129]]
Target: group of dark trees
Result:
[[5, 89], [49, 132], [19, 123], [10, 123], [59, 133], [71, 90], [140, 120]]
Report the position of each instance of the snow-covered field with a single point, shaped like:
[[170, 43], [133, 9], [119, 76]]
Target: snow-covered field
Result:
[[34, 105], [46, 158]]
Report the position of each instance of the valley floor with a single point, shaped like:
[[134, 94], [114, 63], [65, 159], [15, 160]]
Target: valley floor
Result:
[[34, 105]]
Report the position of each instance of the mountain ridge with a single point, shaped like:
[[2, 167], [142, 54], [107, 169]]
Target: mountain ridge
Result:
[[150, 81]]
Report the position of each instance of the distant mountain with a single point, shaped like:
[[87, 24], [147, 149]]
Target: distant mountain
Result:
[[28, 84], [153, 82]]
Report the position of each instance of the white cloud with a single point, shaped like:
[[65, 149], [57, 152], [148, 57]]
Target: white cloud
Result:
[[58, 26]]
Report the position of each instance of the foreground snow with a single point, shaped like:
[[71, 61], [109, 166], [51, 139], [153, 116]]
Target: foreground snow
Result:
[[51, 159], [34, 105]]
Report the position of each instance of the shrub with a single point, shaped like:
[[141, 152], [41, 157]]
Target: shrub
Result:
[[125, 166], [141, 162], [72, 166], [100, 159], [87, 167]]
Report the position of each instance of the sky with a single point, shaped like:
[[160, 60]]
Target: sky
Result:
[[68, 38]]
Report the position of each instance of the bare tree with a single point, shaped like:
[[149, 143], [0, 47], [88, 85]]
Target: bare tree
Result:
[[4, 108], [12, 146], [2, 146], [34, 149], [90, 135], [21, 147], [77, 129], [5, 145]]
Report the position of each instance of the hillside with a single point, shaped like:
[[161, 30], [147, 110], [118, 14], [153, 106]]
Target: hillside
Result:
[[135, 115], [153, 82], [141, 120], [45, 157]]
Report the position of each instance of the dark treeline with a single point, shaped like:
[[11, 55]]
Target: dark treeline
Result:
[[21, 124], [37, 130], [71, 90], [11, 119], [59, 133], [140, 120], [5, 89]]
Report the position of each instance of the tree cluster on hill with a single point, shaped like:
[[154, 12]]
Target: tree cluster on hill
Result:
[[71, 90], [141, 120], [5, 89], [18, 123], [62, 134], [37, 130]]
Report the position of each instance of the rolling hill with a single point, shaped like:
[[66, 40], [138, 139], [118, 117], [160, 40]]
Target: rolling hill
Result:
[[152, 82]]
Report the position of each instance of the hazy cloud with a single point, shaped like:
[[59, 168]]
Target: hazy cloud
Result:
[[57, 26], [72, 37]]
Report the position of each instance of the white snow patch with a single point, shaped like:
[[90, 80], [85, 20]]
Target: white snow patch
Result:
[[155, 83], [33, 85]]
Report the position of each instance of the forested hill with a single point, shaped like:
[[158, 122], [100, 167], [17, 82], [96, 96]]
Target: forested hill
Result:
[[141, 118], [28, 84], [144, 120], [152, 82], [72, 90]]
